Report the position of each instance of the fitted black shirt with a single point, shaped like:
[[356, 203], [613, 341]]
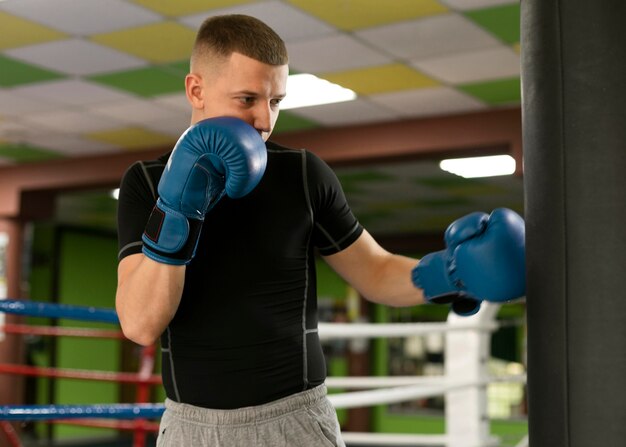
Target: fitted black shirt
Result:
[[245, 332]]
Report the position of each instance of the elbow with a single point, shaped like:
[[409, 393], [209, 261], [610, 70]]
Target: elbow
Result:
[[139, 335], [138, 331]]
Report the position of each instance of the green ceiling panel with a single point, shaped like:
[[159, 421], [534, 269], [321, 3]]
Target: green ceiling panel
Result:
[[180, 68], [13, 73], [146, 82], [22, 153], [502, 91], [289, 122], [502, 21]]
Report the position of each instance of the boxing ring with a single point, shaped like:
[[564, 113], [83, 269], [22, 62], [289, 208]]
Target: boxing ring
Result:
[[463, 384]]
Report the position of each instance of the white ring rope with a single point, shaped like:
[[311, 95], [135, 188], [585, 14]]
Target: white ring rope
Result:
[[393, 395], [363, 382], [328, 331]]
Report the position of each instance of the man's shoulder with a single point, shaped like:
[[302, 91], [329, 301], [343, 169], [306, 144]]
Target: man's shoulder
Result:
[[274, 147]]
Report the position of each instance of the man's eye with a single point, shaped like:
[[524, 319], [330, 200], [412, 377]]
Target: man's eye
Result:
[[276, 102], [246, 100]]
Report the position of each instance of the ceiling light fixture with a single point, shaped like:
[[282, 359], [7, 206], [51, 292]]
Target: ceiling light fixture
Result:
[[304, 90], [490, 166]]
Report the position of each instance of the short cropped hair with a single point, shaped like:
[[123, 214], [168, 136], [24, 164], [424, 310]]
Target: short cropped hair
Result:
[[220, 36]]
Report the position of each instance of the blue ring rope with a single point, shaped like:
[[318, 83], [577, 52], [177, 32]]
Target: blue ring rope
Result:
[[112, 411], [49, 310]]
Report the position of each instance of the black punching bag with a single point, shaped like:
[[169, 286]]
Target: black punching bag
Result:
[[574, 135]]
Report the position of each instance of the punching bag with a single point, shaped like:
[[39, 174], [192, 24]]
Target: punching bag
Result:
[[574, 136]]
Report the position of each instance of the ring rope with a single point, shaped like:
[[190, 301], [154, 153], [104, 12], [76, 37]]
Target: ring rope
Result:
[[398, 394], [107, 411], [58, 331], [108, 423], [50, 310], [362, 382], [329, 331], [80, 374]]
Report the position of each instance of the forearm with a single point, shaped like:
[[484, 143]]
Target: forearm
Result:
[[391, 285], [378, 275], [148, 295]]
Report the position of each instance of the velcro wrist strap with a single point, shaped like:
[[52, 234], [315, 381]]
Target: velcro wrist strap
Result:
[[169, 236]]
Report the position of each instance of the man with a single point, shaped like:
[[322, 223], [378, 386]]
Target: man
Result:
[[222, 267]]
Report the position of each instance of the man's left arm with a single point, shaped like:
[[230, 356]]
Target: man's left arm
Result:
[[378, 275]]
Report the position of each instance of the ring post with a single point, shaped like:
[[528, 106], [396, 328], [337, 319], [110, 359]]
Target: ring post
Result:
[[467, 352]]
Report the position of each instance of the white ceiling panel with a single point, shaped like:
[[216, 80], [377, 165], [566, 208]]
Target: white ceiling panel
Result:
[[433, 36], [176, 100], [14, 104], [72, 121], [427, 102], [72, 92], [137, 111], [76, 57], [494, 63], [70, 144], [346, 113], [333, 53], [81, 17]]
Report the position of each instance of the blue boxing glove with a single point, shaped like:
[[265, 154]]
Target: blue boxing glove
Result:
[[214, 157], [484, 260]]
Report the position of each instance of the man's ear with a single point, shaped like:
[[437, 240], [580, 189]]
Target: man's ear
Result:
[[194, 90]]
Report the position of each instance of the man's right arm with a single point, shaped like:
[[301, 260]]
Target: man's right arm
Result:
[[212, 158], [148, 295]]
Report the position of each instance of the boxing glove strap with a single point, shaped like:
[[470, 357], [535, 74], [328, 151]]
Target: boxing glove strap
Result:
[[170, 237]]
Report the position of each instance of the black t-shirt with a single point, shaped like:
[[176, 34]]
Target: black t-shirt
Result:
[[245, 332]]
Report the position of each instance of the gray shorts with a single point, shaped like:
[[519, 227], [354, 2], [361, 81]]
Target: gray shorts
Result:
[[301, 420]]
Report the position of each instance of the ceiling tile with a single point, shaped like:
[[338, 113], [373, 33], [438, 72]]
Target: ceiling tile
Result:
[[173, 126], [494, 63], [159, 43], [383, 78], [71, 92], [86, 17], [17, 32], [25, 153], [75, 57], [333, 53], [133, 138], [14, 104], [358, 14], [177, 101], [428, 102], [428, 37], [181, 8], [290, 23], [501, 21], [70, 145], [501, 91], [136, 111], [13, 130], [346, 113], [464, 5], [71, 121], [18, 73], [146, 82]]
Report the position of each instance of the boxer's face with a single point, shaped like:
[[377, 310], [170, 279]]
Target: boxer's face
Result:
[[241, 87]]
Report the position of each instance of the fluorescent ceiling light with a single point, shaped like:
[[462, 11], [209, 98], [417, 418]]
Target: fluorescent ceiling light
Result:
[[480, 166], [304, 90]]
